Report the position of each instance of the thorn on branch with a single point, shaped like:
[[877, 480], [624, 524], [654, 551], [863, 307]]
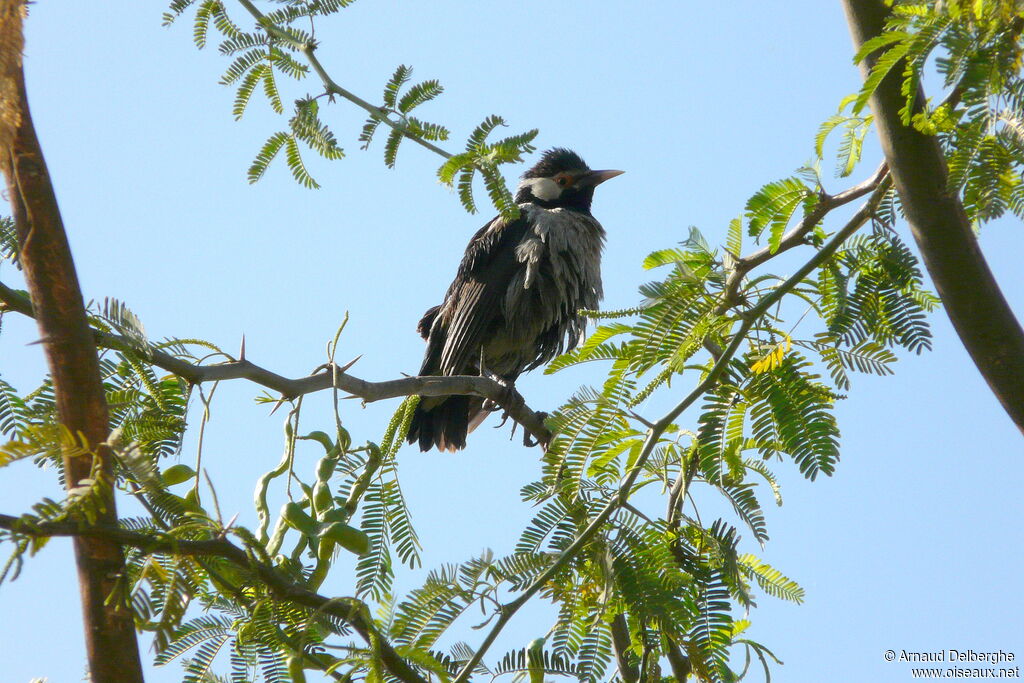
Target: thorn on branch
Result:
[[346, 366]]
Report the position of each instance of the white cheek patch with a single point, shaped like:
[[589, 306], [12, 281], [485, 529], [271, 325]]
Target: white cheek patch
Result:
[[544, 189]]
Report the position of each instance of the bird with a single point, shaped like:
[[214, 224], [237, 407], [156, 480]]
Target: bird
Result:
[[516, 299]]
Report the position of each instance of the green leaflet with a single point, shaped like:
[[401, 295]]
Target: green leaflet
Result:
[[485, 158], [773, 206]]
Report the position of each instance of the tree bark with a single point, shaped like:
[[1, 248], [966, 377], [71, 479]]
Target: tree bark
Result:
[[45, 256], [628, 671], [972, 298]]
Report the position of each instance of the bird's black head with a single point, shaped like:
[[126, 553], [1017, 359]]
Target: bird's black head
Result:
[[561, 179]]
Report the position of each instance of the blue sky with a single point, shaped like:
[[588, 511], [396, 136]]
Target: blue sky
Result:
[[915, 542]]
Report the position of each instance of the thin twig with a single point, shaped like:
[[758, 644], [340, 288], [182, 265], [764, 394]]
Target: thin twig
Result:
[[308, 51], [796, 236]]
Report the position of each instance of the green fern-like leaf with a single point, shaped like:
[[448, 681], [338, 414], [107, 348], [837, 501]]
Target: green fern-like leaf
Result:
[[465, 188], [897, 44], [428, 611], [374, 572], [9, 248], [287, 64], [14, 413], [771, 580], [523, 661], [479, 135], [498, 191], [746, 505], [824, 130], [243, 42], [176, 9], [293, 157], [254, 77], [126, 323], [241, 65], [394, 85], [557, 514], [201, 24], [793, 413], [418, 94], [307, 127], [391, 147], [851, 145], [274, 144], [773, 206], [222, 21], [271, 91], [426, 130], [711, 633]]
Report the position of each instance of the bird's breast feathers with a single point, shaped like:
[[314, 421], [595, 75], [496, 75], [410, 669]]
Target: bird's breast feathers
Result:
[[570, 243]]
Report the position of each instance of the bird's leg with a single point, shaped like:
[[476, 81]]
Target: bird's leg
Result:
[[490, 405], [509, 385], [510, 390]]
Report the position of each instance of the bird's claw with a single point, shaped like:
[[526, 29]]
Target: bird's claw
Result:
[[529, 441]]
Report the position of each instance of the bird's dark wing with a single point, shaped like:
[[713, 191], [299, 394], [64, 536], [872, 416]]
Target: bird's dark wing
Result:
[[427, 321], [474, 304]]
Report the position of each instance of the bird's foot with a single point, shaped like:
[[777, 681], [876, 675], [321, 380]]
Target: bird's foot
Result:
[[529, 441], [508, 387]]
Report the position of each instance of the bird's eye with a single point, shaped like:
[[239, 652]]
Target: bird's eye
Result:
[[562, 180]]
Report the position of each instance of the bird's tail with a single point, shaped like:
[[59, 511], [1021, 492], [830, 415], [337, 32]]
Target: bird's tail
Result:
[[444, 425]]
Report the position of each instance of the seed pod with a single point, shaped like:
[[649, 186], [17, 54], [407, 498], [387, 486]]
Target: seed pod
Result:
[[351, 539], [298, 519], [176, 474], [322, 499]]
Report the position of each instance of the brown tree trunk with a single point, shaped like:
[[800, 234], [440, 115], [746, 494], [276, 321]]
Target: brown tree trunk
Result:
[[972, 299], [71, 355]]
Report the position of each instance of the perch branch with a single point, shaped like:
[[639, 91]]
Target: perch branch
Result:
[[507, 397]]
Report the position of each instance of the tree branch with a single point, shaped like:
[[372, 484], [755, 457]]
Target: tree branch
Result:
[[45, 256], [620, 642], [970, 294], [680, 663], [505, 396], [796, 236], [350, 610]]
